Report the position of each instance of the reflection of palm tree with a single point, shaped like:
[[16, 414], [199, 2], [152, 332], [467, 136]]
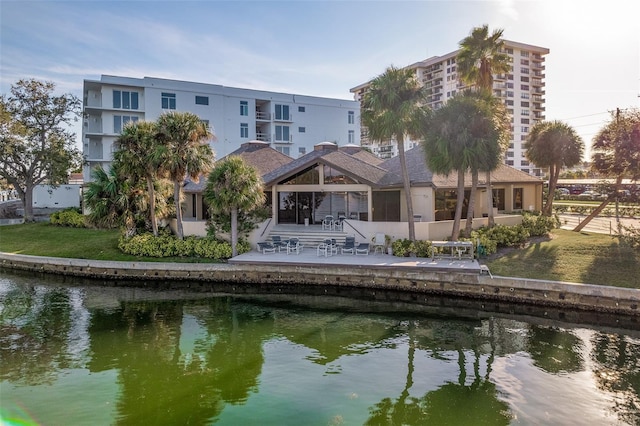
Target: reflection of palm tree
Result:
[[616, 371]]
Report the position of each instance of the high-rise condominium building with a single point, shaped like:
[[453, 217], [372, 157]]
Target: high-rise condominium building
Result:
[[522, 90], [291, 123]]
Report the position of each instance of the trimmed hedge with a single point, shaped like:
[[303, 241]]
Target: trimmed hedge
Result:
[[168, 246]]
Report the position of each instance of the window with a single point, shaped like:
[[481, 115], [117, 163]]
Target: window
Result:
[[119, 121], [498, 199], [168, 100], [509, 85], [202, 100], [524, 112], [509, 76], [524, 70], [508, 51], [302, 150], [524, 79], [509, 162], [301, 109], [282, 112], [524, 62], [508, 102], [524, 53], [302, 129], [282, 134], [352, 137], [283, 149], [244, 108], [509, 94], [524, 87], [125, 100], [524, 129], [517, 198], [524, 121], [524, 104], [510, 154], [351, 117], [244, 130], [524, 95]]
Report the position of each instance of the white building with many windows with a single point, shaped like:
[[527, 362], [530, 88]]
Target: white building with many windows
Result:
[[522, 90], [290, 123]]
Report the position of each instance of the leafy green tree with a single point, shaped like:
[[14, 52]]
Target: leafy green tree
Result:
[[466, 134], [615, 153], [233, 186], [389, 110], [480, 57], [35, 147], [188, 153], [555, 145], [140, 154]]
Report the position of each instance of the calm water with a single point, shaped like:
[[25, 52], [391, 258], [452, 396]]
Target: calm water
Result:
[[73, 354]]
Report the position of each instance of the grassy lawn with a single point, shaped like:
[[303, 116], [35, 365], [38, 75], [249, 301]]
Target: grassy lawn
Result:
[[566, 256], [574, 257], [43, 239]]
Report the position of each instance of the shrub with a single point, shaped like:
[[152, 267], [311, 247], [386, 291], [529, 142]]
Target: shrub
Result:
[[405, 248], [630, 236], [71, 217], [539, 225], [147, 245]]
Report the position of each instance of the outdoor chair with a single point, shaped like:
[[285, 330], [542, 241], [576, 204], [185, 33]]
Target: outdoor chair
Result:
[[362, 248], [324, 248], [327, 223], [279, 242], [349, 245], [379, 243], [294, 246], [266, 247]]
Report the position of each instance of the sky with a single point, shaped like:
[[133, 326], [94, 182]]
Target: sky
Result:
[[321, 48]]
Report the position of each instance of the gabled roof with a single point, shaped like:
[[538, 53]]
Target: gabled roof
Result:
[[257, 154], [420, 175], [352, 161]]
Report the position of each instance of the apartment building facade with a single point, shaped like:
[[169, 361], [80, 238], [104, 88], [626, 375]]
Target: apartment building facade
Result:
[[290, 123], [522, 90]]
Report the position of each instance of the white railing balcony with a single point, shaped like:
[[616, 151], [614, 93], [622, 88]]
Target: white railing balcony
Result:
[[262, 115], [264, 137]]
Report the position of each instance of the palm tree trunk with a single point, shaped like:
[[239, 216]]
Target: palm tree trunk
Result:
[[407, 188], [472, 203], [176, 196], [598, 209], [554, 172], [234, 231], [152, 205], [490, 219], [455, 231]]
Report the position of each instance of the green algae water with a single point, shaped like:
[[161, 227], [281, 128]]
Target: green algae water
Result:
[[87, 354]]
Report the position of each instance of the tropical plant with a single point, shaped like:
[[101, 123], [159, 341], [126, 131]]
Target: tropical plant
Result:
[[480, 57], [555, 145], [35, 146], [464, 135], [188, 152], [233, 187], [615, 153], [389, 111], [140, 154], [110, 199]]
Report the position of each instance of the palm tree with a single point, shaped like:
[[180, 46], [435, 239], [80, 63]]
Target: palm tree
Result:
[[615, 153], [555, 145], [112, 199], [389, 110], [140, 154], [481, 57], [233, 186], [188, 152]]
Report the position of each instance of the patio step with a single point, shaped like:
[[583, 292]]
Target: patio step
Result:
[[309, 236]]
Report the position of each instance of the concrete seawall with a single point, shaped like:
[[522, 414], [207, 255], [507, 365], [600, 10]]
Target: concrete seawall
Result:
[[413, 283]]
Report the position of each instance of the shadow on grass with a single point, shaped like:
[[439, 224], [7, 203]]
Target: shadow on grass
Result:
[[614, 257]]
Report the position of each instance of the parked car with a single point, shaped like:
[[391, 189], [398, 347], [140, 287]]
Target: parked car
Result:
[[589, 195]]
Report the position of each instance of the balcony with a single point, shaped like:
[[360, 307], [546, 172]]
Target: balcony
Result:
[[264, 137], [263, 116], [537, 66]]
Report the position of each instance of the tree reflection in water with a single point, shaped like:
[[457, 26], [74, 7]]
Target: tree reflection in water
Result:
[[182, 358]]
